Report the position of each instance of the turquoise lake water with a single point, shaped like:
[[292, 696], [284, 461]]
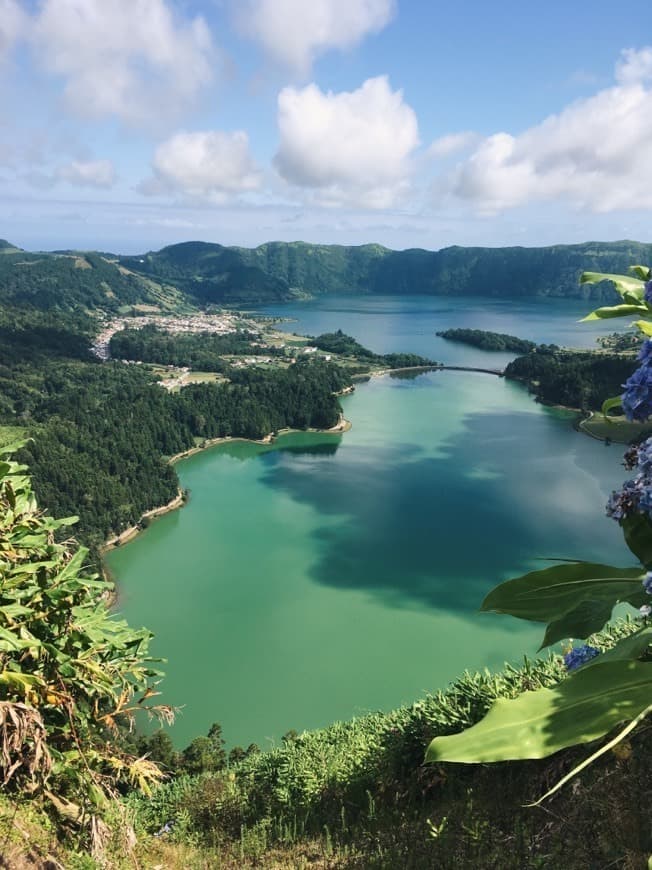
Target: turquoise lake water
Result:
[[327, 576]]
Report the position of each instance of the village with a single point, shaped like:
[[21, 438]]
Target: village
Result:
[[219, 324], [223, 323]]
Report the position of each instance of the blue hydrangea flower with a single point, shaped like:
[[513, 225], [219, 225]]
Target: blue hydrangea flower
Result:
[[637, 398], [645, 610], [644, 457], [645, 353], [579, 656], [627, 500], [645, 498], [647, 582], [648, 291]]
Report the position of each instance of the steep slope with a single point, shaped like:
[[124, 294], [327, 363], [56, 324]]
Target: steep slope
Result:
[[210, 273], [278, 271], [71, 282], [7, 248]]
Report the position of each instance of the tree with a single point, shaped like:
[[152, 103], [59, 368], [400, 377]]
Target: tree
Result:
[[205, 754]]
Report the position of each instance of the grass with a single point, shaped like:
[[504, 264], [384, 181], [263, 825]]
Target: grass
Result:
[[203, 377], [617, 429]]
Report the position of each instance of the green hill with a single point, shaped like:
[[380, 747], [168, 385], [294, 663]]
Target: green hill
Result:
[[76, 281], [192, 273], [278, 271], [7, 247]]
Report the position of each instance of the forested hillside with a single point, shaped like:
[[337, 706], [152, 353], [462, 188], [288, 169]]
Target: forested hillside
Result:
[[279, 271], [201, 273], [76, 281], [103, 431]]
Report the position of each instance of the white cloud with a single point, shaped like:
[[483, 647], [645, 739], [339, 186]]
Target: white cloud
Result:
[[210, 165], [12, 23], [294, 32], [354, 146], [88, 173], [128, 58], [634, 66], [595, 153], [444, 146]]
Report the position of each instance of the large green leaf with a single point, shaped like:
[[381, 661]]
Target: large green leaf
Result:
[[581, 708], [587, 617], [638, 537], [631, 647], [642, 272], [546, 595], [615, 311], [608, 404], [630, 289]]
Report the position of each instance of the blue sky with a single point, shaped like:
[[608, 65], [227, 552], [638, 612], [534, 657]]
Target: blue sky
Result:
[[131, 124]]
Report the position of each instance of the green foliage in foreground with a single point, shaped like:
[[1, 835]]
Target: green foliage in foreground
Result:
[[69, 671], [356, 795], [360, 790]]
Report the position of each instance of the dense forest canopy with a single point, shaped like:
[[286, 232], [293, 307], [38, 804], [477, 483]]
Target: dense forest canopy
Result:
[[577, 380], [103, 431], [202, 352]]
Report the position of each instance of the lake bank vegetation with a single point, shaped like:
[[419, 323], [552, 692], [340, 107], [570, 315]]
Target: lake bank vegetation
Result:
[[346, 346], [575, 379]]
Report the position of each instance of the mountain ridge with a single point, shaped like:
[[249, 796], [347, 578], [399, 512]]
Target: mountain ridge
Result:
[[282, 271], [196, 273]]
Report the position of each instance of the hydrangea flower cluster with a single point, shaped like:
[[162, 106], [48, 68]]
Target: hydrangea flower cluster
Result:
[[579, 656], [636, 494], [647, 582], [648, 291], [637, 398]]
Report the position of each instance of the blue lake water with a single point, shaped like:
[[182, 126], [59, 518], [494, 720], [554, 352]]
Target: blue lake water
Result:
[[326, 576]]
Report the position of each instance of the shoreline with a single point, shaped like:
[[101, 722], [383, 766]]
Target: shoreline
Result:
[[181, 498], [343, 425], [131, 531]]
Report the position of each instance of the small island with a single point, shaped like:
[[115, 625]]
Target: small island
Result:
[[488, 340], [346, 346]]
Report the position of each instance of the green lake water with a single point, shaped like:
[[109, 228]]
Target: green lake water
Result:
[[327, 576]]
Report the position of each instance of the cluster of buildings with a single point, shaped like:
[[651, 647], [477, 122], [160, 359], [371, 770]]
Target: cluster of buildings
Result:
[[221, 324]]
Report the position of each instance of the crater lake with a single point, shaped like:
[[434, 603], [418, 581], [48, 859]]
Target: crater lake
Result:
[[326, 576]]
